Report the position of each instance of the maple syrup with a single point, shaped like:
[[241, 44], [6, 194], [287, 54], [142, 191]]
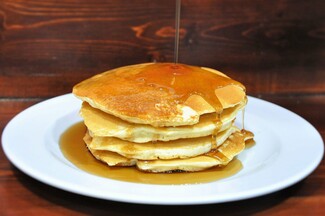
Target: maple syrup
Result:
[[177, 24], [243, 119], [250, 143], [75, 150]]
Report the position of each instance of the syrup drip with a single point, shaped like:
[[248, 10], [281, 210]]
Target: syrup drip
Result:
[[243, 119], [247, 134], [218, 125], [177, 24]]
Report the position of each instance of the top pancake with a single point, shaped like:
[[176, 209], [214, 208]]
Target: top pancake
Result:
[[161, 94]]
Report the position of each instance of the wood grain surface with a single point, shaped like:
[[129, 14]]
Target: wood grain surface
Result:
[[276, 48], [272, 46]]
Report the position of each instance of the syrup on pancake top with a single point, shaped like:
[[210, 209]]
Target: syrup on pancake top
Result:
[[158, 94], [157, 117]]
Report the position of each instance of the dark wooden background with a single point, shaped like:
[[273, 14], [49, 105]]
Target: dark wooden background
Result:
[[276, 48]]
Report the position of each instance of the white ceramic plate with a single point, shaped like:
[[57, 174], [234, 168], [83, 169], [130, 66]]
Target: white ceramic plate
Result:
[[287, 150]]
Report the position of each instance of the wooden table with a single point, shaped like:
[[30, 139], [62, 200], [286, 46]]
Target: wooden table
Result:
[[276, 48]]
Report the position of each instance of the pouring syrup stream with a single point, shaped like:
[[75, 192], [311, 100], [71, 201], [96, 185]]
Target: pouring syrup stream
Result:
[[177, 21]]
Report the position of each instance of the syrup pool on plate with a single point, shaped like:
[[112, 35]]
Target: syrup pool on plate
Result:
[[75, 150]]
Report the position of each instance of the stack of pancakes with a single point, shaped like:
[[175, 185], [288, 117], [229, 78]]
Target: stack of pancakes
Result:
[[162, 117]]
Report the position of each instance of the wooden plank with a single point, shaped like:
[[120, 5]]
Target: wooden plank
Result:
[[272, 47]]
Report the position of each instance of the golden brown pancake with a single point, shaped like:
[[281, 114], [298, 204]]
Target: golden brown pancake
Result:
[[160, 94], [162, 117], [101, 124], [181, 148], [217, 157]]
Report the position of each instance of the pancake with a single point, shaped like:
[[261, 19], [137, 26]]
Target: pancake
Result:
[[160, 94], [110, 158], [163, 117], [181, 148], [217, 157], [101, 124]]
